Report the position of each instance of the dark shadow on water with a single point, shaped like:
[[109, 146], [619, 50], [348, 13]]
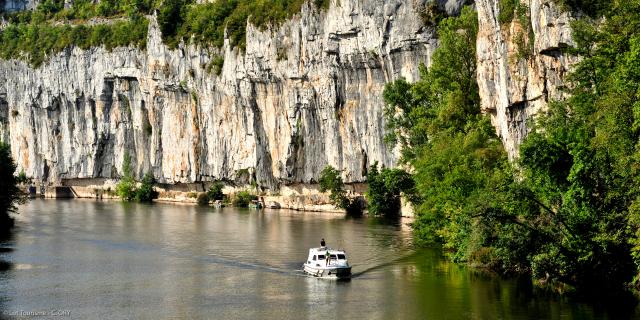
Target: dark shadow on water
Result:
[[377, 220], [5, 265], [385, 264], [603, 304], [620, 305], [6, 240]]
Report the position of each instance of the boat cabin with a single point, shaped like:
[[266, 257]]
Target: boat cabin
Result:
[[324, 257]]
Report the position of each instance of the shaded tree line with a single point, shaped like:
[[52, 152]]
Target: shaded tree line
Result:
[[566, 211]]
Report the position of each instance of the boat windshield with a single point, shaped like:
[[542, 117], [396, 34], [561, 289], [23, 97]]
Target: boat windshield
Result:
[[321, 257], [341, 257]]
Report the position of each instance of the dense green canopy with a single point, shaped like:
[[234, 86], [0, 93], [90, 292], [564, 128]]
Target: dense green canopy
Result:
[[9, 192], [567, 211]]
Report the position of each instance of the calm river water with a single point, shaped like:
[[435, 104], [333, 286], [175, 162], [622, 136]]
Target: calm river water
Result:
[[87, 259]]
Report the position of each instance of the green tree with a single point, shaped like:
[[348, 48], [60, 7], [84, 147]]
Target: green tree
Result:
[[170, 16], [330, 180], [385, 188], [22, 177], [243, 198], [146, 192], [215, 191], [571, 218], [10, 195], [581, 166], [126, 187], [203, 199], [462, 175]]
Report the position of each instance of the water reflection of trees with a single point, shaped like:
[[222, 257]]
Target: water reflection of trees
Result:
[[5, 265], [5, 249], [448, 290]]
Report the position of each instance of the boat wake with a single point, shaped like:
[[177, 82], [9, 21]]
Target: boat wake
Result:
[[217, 259], [291, 269], [383, 265]]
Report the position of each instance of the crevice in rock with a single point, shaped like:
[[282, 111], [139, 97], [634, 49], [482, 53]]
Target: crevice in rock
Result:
[[555, 52], [263, 173]]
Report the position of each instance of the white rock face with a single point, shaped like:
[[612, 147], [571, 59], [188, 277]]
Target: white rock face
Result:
[[303, 96], [514, 88]]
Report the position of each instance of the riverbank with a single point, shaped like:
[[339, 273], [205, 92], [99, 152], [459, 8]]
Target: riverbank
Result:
[[299, 197]]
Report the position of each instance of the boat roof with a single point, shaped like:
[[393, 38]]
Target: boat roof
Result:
[[323, 250]]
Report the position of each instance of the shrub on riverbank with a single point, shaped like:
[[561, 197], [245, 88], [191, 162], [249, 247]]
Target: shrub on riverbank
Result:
[[385, 188], [203, 199], [215, 192], [145, 192], [243, 198], [330, 180], [127, 189]]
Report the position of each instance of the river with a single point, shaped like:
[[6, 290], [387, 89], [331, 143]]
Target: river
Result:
[[85, 259]]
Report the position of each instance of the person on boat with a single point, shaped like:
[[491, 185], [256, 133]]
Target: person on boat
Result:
[[322, 243]]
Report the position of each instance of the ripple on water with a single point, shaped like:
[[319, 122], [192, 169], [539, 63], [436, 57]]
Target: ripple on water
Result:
[[106, 259]]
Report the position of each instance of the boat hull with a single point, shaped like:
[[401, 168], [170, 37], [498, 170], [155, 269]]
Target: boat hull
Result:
[[328, 272]]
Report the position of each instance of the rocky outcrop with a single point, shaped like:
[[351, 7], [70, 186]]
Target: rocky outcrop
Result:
[[302, 96], [520, 70]]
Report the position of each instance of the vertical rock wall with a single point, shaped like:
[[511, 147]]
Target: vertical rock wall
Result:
[[515, 86], [302, 96]]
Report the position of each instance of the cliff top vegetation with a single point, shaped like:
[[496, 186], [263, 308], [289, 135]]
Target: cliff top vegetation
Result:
[[50, 28]]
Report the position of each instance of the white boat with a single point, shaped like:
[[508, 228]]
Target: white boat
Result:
[[327, 263]]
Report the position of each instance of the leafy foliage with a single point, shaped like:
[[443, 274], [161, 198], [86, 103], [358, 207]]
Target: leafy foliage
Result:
[[215, 191], [203, 199], [10, 194], [571, 217], [22, 177], [127, 189], [593, 8], [146, 193], [85, 9], [206, 23], [446, 97], [385, 187], [36, 35], [582, 165], [243, 199], [36, 40], [464, 185], [330, 180]]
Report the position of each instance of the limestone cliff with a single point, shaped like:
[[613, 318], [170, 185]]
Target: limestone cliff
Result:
[[303, 95], [521, 68]]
